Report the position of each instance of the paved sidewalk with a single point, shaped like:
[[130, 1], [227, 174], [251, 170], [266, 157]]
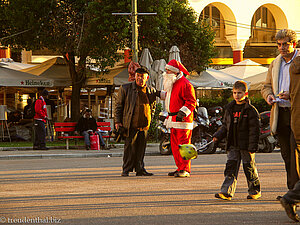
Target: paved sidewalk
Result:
[[59, 152]]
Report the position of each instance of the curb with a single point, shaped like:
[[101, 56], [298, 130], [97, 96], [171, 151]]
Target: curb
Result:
[[73, 155]]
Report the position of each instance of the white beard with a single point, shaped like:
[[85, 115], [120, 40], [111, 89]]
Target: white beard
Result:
[[169, 80]]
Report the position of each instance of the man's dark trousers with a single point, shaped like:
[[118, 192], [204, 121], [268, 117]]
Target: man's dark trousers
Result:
[[40, 134], [288, 147], [134, 151]]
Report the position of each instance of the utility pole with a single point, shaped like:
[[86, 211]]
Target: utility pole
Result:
[[135, 33], [134, 14]]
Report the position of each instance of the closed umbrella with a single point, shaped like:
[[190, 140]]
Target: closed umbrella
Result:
[[174, 54], [146, 61]]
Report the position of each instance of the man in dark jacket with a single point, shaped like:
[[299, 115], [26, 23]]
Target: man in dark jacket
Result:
[[241, 129], [87, 124], [134, 107], [292, 198]]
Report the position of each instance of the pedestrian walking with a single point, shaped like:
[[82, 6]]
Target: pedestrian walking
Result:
[[274, 91], [241, 130], [290, 200]]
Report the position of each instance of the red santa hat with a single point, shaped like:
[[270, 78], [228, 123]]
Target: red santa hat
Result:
[[176, 67]]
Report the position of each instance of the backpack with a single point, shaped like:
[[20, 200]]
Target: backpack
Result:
[[31, 111]]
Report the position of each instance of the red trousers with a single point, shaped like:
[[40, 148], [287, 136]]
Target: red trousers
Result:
[[179, 137]]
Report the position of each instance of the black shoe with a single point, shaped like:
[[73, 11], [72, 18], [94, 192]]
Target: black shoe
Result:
[[43, 148], [278, 197], [144, 173], [35, 148], [290, 209], [172, 174], [125, 174], [87, 147]]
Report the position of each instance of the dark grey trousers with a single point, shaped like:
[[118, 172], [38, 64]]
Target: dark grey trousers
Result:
[[234, 158], [134, 151], [40, 134], [293, 195], [287, 147]]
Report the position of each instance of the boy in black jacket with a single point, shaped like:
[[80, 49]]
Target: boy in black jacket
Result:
[[241, 129]]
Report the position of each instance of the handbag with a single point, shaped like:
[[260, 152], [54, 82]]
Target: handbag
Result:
[[94, 140]]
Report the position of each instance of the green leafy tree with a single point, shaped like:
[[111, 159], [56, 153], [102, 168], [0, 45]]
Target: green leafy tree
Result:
[[77, 29], [176, 24]]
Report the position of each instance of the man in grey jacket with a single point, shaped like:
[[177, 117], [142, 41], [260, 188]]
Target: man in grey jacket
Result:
[[134, 107]]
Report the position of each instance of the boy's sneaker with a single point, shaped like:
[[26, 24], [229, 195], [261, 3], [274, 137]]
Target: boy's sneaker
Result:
[[256, 196], [223, 196]]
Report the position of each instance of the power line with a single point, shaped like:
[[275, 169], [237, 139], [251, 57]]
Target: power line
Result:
[[21, 32], [246, 26]]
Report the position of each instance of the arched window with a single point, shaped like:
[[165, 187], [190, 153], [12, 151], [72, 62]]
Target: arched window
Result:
[[213, 16], [263, 27]]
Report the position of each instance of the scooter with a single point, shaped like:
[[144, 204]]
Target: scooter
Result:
[[165, 142]]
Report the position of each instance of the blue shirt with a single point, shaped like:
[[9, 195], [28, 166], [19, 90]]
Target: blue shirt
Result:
[[284, 79]]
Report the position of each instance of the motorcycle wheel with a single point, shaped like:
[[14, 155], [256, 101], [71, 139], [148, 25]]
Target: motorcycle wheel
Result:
[[200, 141], [165, 145], [267, 146]]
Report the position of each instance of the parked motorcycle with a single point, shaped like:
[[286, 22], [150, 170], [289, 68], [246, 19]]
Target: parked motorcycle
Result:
[[202, 133], [267, 142]]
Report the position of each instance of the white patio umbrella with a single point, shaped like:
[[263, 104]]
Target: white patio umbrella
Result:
[[257, 81], [174, 54], [214, 79], [11, 64], [244, 69], [15, 78], [55, 69]]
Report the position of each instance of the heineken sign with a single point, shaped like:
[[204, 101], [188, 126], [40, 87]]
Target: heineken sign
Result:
[[36, 83]]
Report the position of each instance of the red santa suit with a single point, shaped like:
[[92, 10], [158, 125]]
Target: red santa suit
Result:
[[181, 98]]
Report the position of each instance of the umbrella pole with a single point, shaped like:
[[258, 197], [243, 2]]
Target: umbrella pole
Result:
[[4, 96]]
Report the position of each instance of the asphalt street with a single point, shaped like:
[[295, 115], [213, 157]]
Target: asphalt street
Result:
[[91, 191]]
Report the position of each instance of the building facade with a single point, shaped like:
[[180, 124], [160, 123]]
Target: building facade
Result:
[[246, 29]]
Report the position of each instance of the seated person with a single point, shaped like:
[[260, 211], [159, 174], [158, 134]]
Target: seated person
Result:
[[28, 114], [87, 124], [14, 117]]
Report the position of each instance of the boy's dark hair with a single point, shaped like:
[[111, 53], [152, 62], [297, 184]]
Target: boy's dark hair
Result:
[[240, 85], [142, 70]]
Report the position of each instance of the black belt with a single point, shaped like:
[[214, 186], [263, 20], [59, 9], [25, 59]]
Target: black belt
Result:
[[173, 114], [285, 108]]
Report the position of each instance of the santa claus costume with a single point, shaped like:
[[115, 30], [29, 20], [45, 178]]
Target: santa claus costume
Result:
[[180, 102]]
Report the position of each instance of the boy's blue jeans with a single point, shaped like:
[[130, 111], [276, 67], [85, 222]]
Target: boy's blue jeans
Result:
[[86, 136], [234, 158]]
